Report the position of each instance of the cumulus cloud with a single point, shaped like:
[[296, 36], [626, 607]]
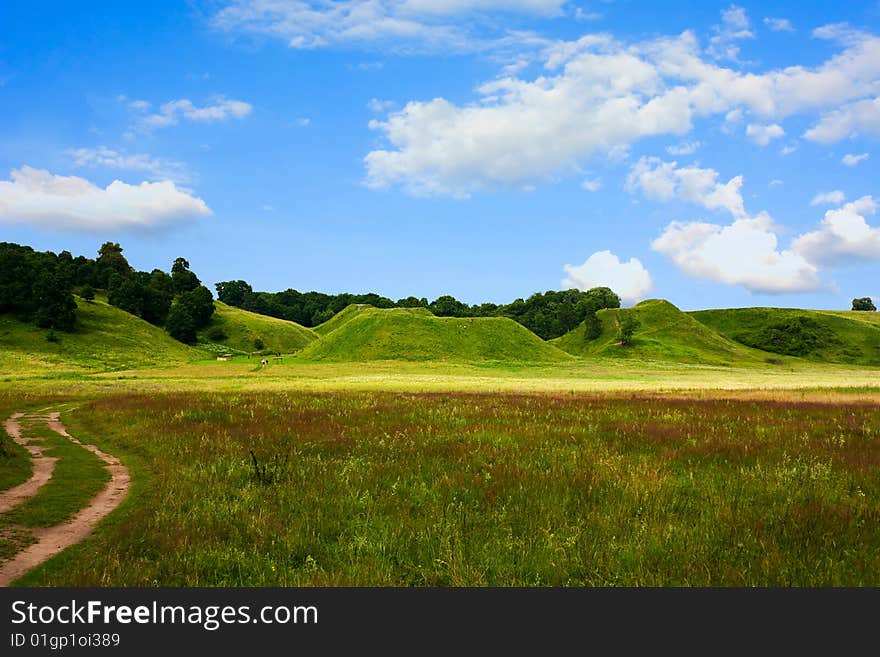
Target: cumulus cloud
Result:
[[745, 253], [844, 236], [779, 24], [851, 159], [684, 148], [835, 197], [851, 120], [156, 168], [173, 111], [664, 181], [764, 134], [735, 25], [597, 96], [592, 184], [69, 203], [417, 25], [630, 280]]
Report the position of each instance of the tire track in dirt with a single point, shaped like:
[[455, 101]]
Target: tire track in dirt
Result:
[[43, 466], [52, 540]]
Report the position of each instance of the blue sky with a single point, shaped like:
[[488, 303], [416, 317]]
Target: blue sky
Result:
[[712, 154]]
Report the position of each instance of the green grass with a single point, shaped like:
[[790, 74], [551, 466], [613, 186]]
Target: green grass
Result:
[[473, 489], [840, 336], [105, 338], [79, 475], [340, 318], [665, 333], [242, 328], [371, 334]]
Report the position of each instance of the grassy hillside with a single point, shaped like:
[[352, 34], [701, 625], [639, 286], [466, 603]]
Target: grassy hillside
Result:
[[664, 333], [240, 329], [340, 318], [830, 336], [106, 338], [367, 334]]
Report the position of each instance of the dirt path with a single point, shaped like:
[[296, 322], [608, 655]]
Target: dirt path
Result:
[[43, 466], [52, 540]]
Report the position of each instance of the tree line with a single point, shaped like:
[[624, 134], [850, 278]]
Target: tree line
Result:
[[547, 314], [39, 287]]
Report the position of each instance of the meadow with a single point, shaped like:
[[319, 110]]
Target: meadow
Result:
[[454, 489], [394, 448]]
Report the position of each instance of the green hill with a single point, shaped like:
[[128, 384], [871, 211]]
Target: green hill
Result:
[[664, 333], [340, 318], [414, 334], [818, 335], [234, 329], [105, 338]]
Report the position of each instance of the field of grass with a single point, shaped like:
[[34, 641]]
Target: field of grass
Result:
[[834, 336], [475, 489], [414, 334], [234, 330], [106, 338]]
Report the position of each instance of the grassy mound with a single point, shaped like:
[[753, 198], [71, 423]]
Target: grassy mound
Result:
[[340, 318], [830, 336], [367, 334], [664, 333], [234, 329], [105, 338]]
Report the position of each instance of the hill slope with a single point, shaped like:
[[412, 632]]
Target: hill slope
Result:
[[241, 328], [829, 336], [106, 338], [340, 318], [415, 334], [664, 333]]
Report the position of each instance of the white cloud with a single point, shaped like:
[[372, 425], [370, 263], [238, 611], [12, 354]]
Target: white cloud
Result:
[[844, 236], [664, 181], [684, 148], [630, 280], [851, 120], [156, 168], [735, 25], [379, 106], [173, 111], [788, 150], [835, 197], [303, 122], [592, 185], [581, 14], [763, 134], [598, 96], [743, 253], [419, 25], [69, 203], [776, 182], [779, 24], [851, 159]]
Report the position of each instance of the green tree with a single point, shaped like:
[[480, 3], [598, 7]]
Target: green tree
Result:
[[627, 329], [234, 293], [180, 324], [184, 280], [158, 291], [865, 303], [126, 293], [592, 326], [87, 292], [55, 305], [200, 305], [110, 260]]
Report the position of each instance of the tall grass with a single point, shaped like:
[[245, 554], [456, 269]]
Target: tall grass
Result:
[[380, 488]]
